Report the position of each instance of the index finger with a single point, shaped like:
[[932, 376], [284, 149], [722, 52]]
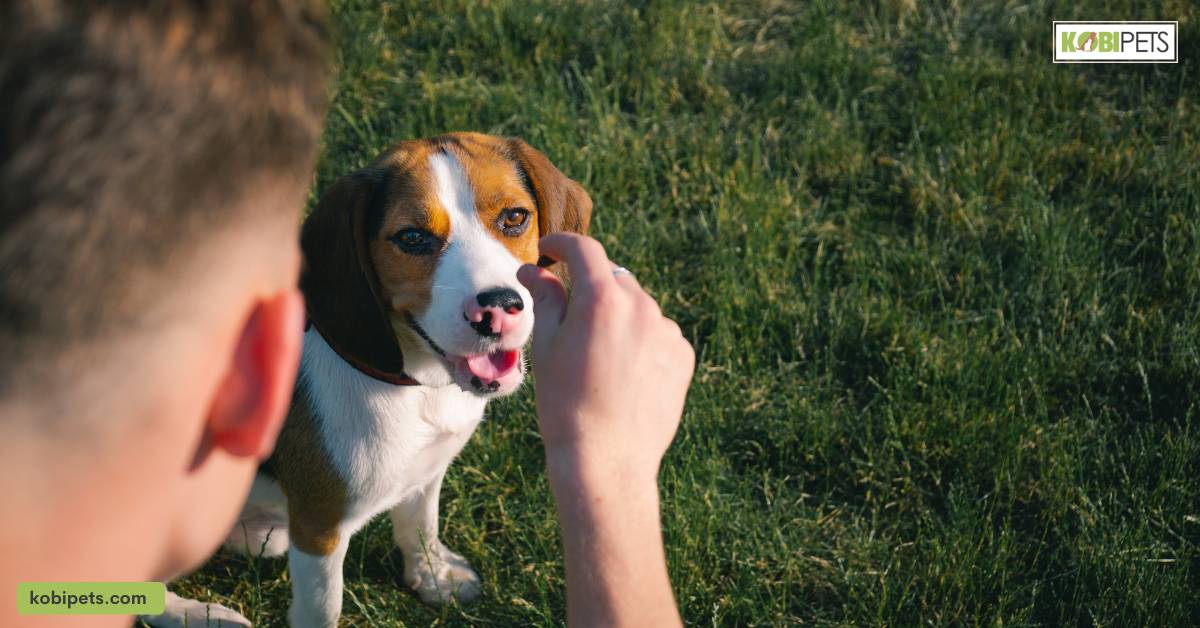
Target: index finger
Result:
[[584, 256]]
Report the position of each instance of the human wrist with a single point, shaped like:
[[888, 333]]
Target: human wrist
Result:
[[575, 474]]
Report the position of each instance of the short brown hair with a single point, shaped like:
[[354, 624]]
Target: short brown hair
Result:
[[128, 129]]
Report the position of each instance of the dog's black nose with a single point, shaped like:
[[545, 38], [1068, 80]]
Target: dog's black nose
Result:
[[506, 299], [493, 311]]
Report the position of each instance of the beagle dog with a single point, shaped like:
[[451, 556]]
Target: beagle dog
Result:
[[416, 321]]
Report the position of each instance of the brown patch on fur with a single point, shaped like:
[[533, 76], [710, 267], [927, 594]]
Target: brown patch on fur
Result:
[[497, 185], [315, 490], [503, 173], [563, 205], [410, 202]]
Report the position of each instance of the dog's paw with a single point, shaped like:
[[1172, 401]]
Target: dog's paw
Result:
[[440, 576], [260, 531], [181, 612]]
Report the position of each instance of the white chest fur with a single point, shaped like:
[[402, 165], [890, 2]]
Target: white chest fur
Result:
[[386, 442]]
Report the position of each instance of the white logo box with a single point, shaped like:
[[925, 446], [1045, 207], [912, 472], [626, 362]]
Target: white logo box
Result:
[[1116, 42]]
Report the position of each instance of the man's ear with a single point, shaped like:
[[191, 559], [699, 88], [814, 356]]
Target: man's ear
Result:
[[340, 285], [252, 400], [563, 205]]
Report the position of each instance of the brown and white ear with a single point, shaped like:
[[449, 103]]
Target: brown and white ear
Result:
[[563, 205], [340, 285]]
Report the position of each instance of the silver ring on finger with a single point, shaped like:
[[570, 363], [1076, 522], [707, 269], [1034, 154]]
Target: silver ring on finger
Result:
[[621, 270]]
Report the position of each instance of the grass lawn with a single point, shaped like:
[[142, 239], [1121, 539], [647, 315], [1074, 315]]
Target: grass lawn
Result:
[[944, 295]]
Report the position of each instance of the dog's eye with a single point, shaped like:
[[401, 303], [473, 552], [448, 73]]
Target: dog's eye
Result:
[[513, 220], [416, 241]]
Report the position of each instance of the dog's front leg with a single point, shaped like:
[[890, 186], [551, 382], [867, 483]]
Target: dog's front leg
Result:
[[436, 573], [317, 585]]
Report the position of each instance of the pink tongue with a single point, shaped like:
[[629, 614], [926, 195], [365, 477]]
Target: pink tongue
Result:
[[492, 366]]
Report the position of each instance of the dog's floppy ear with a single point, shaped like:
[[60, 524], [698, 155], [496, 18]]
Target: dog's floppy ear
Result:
[[341, 288], [563, 205]]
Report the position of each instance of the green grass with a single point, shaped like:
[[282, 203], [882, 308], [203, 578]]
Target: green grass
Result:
[[944, 296]]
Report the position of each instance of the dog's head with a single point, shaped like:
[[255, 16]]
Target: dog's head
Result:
[[410, 263]]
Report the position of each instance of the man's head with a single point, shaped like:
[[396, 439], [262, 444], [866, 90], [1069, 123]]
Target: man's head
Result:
[[153, 163]]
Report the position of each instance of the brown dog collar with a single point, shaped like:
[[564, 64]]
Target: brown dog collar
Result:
[[396, 379]]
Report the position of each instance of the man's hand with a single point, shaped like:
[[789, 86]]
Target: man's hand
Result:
[[611, 376], [612, 372]]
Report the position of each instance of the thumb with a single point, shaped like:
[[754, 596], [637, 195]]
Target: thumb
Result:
[[549, 304]]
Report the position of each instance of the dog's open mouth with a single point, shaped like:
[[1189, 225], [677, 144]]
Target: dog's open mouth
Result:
[[495, 372], [489, 372]]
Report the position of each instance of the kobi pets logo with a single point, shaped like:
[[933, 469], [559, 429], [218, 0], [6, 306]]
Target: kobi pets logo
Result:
[[1116, 42]]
